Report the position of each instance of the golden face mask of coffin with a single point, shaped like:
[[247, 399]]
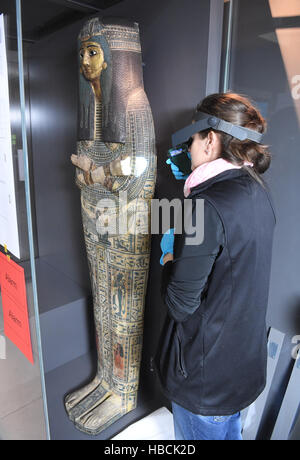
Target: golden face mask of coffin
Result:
[[91, 60]]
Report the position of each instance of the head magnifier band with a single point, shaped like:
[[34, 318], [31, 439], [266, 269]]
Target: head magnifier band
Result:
[[204, 121]]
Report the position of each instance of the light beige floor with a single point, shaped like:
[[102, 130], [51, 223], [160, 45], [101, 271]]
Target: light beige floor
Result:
[[21, 407]]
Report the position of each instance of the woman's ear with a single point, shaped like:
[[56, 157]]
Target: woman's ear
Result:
[[212, 138], [215, 142], [209, 144]]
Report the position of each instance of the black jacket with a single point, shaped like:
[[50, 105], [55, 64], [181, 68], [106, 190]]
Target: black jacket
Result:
[[212, 354]]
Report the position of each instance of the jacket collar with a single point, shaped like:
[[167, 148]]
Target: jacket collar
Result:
[[225, 175]]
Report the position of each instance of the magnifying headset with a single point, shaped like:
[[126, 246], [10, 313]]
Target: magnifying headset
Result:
[[182, 139]]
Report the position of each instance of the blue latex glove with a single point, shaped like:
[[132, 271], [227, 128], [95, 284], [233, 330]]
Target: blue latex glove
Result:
[[176, 171], [167, 244]]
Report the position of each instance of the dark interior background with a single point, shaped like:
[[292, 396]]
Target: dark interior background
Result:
[[174, 38]]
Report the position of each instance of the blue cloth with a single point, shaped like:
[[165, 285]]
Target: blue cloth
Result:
[[176, 171], [167, 244], [190, 427]]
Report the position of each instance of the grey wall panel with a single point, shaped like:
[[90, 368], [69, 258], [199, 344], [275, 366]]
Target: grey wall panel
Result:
[[289, 407], [214, 46], [254, 413], [295, 431]]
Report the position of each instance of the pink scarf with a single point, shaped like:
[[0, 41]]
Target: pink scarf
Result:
[[208, 170]]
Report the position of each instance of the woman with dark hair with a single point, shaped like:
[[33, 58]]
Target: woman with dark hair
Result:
[[212, 354]]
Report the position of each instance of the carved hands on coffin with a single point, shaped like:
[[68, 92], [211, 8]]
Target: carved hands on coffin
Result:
[[90, 172], [104, 175], [82, 162]]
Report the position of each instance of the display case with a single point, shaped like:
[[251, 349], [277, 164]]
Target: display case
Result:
[[43, 59], [187, 50], [23, 413]]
